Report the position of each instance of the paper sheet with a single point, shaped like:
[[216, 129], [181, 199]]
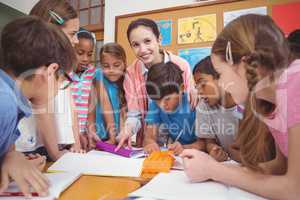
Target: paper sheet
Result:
[[93, 164], [231, 15], [58, 183], [182, 188], [197, 29]]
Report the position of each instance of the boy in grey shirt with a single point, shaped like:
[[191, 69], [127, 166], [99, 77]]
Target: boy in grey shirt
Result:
[[217, 116]]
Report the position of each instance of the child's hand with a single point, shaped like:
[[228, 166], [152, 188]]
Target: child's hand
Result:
[[112, 140], [176, 147], [75, 148], [84, 141], [124, 138], [193, 98], [25, 173], [93, 138], [234, 152], [151, 147], [37, 160], [198, 166], [218, 153]]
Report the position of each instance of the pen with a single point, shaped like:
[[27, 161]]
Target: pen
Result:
[[14, 194], [178, 136]]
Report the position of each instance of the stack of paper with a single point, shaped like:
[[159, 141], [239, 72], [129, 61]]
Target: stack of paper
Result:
[[58, 183], [103, 165], [180, 188]]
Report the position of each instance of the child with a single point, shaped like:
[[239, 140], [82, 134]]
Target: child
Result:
[[110, 78], [144, 38], [217, 116], [83, 81], [64, 124], [169, 106], [35, 55], [254, 41]]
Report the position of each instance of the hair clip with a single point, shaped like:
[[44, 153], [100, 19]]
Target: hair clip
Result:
[[56, 17], [91, 33], [228, 53]]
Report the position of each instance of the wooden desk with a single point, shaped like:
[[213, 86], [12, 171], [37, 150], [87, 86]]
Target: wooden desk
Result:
[[100, 188]]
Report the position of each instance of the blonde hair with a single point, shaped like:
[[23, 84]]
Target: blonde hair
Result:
[[255, 140]]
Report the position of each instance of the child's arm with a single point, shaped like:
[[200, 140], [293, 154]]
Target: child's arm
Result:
[[108, 113], [177, 147], [200, 167], [91, 137], [150, 139], [16, 167], [198, 144], [76, 147], [216, 151], [46, 128]]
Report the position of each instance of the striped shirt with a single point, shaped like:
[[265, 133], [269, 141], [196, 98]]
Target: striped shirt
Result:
[[81, 89]]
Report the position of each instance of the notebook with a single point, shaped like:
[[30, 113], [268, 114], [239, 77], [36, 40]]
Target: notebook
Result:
[[129, 153], [102, 165], [58, 183], [181, 188]]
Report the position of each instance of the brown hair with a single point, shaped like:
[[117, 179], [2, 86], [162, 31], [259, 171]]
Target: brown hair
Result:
[[163, 79], [257, 41], [28, 43], [61, 7], [117, 51], [149, 23], [294, 43], [255, 140]]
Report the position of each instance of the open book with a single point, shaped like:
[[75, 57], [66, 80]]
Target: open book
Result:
[[95, 164], [58, 183], [176, 186]]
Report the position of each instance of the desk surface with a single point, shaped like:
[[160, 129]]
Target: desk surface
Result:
[[100, 188]]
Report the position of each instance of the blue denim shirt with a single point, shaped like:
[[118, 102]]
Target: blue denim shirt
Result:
[[13, 107]]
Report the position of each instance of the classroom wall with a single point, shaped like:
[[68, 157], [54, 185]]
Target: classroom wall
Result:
[[7, 14], [21, 5], [121, 7]]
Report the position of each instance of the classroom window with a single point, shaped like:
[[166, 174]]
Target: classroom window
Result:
[[91, 16], [91, 13]]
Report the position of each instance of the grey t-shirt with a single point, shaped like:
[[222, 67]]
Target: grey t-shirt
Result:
[[217, 122]]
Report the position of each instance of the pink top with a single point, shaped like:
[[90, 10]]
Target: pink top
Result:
[[287, 112], [134, 83]]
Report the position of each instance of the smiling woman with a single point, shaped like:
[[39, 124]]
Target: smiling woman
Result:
[[145, 40]]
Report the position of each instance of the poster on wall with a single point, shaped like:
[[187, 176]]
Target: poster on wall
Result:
[[194, 55], [231, 15], [287, 16], [197, 29], [165, 28]]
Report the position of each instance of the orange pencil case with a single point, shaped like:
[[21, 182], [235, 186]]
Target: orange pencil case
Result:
[[156, 162]]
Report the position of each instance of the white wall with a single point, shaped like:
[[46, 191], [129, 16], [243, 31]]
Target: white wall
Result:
[[21, 5], [120, 7]]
